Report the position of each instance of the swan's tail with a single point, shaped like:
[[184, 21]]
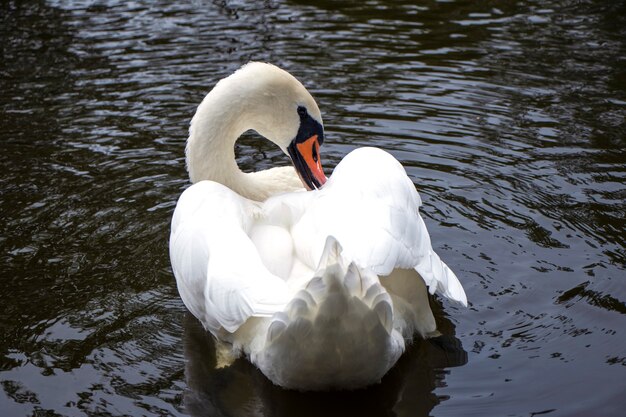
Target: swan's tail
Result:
[[336, 332]]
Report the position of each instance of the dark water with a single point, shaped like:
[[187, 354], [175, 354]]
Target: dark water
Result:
[[510, 118]]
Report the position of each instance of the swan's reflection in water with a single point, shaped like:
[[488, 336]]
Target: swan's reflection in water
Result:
[[241, 389]]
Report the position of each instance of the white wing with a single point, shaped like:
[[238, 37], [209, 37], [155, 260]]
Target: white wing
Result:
[[219, 273], [371, 207]]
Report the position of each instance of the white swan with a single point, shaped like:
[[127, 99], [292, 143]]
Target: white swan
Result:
[[319, 289]]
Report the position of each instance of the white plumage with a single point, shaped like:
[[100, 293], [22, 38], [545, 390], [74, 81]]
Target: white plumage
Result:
[[319, 289]]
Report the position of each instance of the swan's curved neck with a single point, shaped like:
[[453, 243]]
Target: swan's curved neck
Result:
[[219, 121], [211, 145]]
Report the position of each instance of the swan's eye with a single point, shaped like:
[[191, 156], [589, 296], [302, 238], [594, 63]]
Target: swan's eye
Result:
[[302, 111]]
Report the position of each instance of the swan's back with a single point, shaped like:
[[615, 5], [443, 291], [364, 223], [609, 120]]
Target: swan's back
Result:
[[319, 289], [336, 332]]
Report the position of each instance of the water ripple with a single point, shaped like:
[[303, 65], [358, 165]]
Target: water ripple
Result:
[[510, 118]]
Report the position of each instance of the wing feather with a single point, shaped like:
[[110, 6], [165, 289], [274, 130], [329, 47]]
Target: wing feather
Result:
[[374, 214], [219, 273]]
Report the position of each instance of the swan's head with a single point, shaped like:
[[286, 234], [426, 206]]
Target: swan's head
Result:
[[277, 106]]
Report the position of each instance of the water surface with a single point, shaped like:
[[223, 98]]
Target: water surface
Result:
[[510, 119]]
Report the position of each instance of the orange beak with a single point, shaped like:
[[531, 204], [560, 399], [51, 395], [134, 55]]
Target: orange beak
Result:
[[306, 160], [310, 151]]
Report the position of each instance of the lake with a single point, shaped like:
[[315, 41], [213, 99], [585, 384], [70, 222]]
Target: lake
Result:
[[509, 117]]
